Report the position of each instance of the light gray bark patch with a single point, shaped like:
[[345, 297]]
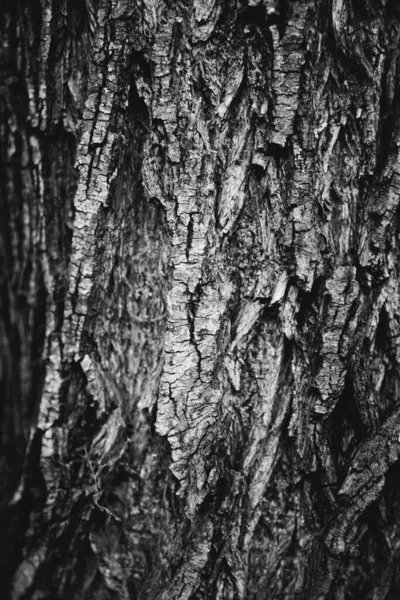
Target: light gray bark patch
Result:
[[288, 59]]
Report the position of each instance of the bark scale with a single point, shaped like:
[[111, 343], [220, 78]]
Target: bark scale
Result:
[[199, 315]]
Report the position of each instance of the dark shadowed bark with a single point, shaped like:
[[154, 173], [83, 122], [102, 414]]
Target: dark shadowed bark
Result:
[[199, 299]]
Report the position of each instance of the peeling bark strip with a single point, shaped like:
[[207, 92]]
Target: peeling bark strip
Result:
[[199, 306]]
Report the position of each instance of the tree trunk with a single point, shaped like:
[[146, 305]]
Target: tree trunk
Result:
[[199, 306]]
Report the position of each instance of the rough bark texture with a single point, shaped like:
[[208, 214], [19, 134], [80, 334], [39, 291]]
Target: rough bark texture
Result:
[[199, 303]]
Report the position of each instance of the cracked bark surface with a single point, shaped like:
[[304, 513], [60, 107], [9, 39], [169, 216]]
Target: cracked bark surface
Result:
[[199, 306]]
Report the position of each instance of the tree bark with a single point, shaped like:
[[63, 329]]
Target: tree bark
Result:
[[199, 305]]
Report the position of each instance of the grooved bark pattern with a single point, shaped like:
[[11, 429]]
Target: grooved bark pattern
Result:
[[199, 309]]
